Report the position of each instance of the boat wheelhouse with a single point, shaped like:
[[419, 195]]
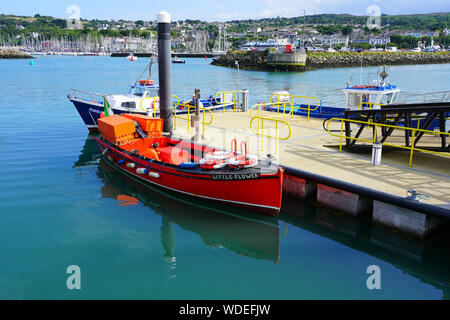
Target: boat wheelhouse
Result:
[[372, 95], [141, 98]]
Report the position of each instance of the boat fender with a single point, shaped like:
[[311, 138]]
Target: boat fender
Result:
[[154, 174], [131, 165], [188, 165], [121, 161], [141, 171]]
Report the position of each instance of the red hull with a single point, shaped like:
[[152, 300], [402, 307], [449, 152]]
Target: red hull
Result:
[[249, 189]]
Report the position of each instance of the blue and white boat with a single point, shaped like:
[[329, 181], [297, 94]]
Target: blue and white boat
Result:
[[358, 97], [142, 98]]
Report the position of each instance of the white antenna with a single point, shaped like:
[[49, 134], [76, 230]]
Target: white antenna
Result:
[[361, 72]]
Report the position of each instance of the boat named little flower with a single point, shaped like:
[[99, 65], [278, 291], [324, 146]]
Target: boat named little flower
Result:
[[134, 145]]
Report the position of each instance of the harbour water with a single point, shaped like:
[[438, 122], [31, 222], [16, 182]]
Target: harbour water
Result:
[[60, 207]]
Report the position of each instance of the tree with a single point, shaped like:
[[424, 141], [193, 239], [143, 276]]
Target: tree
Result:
[[140, 23], [346, 30], [60, 23]]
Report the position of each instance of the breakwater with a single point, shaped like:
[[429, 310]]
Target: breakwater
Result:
[[179, 55], [13, 54], [258, 60], [253, 60]]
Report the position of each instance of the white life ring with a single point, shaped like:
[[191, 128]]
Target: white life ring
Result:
[[239, 161], [215, 160]]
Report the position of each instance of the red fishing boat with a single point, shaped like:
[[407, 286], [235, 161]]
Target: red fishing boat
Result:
[[134, 144]]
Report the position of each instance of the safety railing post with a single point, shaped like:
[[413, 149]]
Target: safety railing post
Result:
[[412, 148]]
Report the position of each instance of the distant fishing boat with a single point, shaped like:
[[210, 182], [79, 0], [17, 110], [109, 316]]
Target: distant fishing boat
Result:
[[236, 179], [132, 57], [178, 60]]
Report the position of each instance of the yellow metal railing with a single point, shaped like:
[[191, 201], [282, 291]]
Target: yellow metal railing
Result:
[[292, 99], [260, 131], [188, 118], [235, 100], [261, 107], [375, 126], [176, 104]]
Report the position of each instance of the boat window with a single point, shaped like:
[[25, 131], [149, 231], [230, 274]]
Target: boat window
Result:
[[386, 99], [129, 105], [140, 92], [152, 93]]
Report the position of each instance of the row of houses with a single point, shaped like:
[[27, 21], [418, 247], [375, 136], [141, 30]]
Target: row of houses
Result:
[[318, 40]]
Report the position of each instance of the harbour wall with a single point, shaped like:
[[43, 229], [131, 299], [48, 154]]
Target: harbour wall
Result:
[[254, 60], [406, 216], [180, 55]]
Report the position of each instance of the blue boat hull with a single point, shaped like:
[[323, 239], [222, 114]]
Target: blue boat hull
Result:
[[90, 111], [333, 112], [321, 112]]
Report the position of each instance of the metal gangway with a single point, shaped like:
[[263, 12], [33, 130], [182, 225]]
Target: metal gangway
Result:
[[423, 127]]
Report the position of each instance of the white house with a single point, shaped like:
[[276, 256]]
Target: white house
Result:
[[374, 41], [334, 40]]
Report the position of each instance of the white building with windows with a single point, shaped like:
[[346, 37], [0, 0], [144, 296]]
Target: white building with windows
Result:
[[375, 41], [332, 41]]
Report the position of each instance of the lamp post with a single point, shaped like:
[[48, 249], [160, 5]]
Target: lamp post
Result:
[[237, 81]]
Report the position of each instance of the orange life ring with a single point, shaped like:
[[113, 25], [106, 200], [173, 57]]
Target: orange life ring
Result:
[[146, 82], [154, 102]]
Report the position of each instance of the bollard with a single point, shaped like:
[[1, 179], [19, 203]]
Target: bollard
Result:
[[376, 153], [244, 100]]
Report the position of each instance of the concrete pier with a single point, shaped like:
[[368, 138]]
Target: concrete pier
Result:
[[287, 58], [313, 151]]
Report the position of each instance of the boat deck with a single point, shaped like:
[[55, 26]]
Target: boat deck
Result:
[[312, 149]]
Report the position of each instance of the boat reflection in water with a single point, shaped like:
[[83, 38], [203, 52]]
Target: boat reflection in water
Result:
[[245, 233], [89, 154]]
